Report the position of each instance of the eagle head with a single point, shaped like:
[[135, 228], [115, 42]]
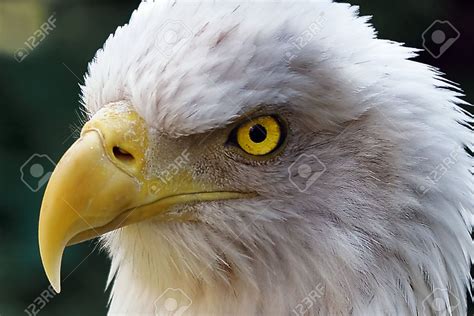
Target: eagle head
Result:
[[257, 155]]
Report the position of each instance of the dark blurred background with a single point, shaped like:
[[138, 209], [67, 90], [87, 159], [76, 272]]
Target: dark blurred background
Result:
[[39, 103]]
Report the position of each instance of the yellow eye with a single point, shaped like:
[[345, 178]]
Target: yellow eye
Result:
[[259, 136]]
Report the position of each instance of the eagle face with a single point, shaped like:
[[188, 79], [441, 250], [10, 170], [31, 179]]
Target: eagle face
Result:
[[263, 151]]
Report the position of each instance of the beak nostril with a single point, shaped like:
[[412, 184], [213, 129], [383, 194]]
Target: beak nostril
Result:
[[122, 154]]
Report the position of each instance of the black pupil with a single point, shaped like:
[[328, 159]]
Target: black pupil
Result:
[[258, 133]]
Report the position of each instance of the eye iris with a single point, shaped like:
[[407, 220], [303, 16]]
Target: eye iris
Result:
[[257, 133], [259, 136]]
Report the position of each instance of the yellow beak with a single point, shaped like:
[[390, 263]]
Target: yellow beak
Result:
[[101, 184]]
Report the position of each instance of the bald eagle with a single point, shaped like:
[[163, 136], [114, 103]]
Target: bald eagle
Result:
[[267, 158]]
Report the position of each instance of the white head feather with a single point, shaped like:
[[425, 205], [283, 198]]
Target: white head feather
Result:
[[385, 225]]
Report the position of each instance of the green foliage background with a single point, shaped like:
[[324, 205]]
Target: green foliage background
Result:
[[39, 101]]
